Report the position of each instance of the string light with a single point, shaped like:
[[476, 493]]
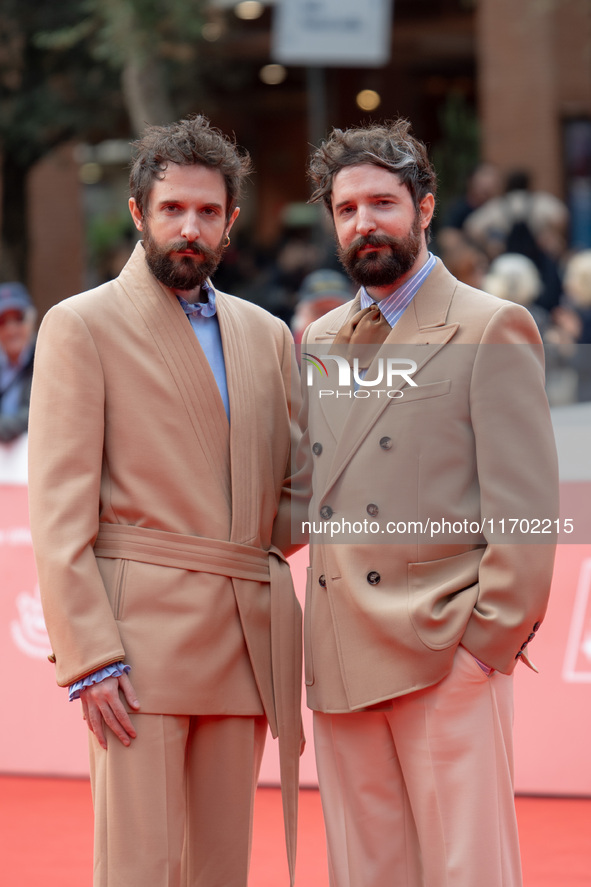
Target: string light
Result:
[[273, 74], [249, 9], [368, 99]]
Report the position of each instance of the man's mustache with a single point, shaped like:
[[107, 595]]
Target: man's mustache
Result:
[[182, 246], [372, 240], [368, 240]]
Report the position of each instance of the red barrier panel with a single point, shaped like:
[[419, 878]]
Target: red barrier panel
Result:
[[41, 731], [44, 734], [553, 708]]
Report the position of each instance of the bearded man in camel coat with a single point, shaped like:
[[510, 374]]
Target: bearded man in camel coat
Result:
[[160, 439], [434, 475]]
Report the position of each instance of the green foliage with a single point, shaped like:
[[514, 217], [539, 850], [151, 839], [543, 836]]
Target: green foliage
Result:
[[106, 232], [61, 63], [52, 88], [85, 70], [157, 28], [458, 152]]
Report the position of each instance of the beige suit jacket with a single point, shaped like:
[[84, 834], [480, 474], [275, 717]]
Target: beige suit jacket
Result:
[[470, 443], [128, 433]]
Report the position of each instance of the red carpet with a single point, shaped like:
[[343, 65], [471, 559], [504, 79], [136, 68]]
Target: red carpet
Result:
[[46, 838]]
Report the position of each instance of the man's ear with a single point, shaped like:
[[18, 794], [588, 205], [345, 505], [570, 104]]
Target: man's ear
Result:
[[136, 215], [426, 210], [231, 220]]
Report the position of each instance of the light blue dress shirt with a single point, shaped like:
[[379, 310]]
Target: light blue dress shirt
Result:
[[204, 320]]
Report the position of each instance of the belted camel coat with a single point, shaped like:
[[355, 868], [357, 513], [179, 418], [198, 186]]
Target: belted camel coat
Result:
[[152, 515]]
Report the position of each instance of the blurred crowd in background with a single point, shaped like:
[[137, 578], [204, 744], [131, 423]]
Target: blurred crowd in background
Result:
[[500, 235], [511, 240], [17, 345], [478, 79]]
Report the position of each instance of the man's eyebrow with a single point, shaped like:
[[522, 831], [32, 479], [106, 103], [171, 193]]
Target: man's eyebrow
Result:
[[376, 196], [179, 201]]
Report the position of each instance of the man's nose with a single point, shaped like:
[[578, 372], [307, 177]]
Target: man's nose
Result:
[[365, 222], [190, 228]]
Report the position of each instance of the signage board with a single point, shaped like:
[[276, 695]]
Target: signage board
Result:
[[343, 33]]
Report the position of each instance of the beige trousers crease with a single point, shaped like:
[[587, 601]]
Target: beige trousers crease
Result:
[[422, 795], [175, 808]]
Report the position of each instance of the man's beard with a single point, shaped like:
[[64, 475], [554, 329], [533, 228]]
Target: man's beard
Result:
[[181, 272], [385, 266]]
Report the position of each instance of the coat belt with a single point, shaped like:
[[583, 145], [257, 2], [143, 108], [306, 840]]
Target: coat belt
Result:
[[195, 553], [238, 561]]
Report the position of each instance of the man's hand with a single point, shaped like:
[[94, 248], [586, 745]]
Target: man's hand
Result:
[[101, 705]]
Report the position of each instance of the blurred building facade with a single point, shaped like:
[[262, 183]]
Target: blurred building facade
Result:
[[507, 81]]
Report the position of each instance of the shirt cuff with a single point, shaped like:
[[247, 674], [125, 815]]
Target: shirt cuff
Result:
[[115, 670]]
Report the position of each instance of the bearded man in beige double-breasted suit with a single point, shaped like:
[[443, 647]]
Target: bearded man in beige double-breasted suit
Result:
[[159, 449], [434, 474]]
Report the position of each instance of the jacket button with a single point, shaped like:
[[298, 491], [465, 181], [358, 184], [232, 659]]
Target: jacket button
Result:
[[372, 510], [386, 443], [373, 578], [317, 449], [532, 636], [51, 657], [537, 625], [322, 581], [326, 512], [523, 646], [519, 654]]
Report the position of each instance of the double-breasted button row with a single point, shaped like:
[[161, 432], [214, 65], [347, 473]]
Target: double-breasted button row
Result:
[[385, 443], [373, 578], [326, 511]]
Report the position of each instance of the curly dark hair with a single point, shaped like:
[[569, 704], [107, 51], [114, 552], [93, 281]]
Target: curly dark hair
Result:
[[188, 142], [389, 145]]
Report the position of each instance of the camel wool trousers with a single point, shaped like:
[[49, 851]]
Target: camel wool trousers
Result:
[[422, 795], [175, 808]]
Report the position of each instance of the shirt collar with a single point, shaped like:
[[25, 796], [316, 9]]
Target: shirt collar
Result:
[[393, 306], [200, 309]]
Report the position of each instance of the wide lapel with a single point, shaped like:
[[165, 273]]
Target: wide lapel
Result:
[[324, 375], [419, 335], [240, 361], [179, 347]]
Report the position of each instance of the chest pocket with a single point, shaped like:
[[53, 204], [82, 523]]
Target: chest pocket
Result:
[[422, 392]]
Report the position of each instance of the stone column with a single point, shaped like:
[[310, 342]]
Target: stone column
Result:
[[517, 88]]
